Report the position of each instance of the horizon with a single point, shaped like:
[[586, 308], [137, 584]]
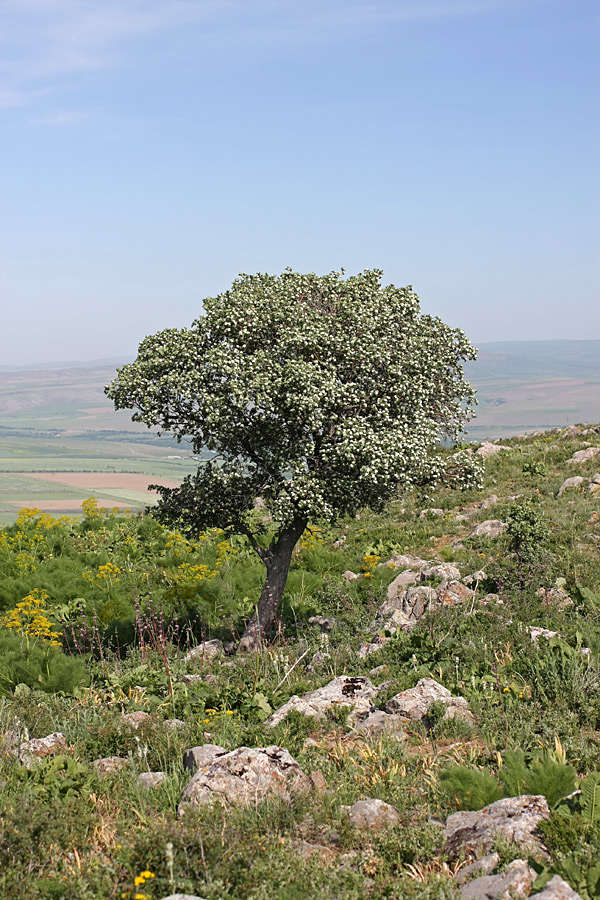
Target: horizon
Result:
[[153, 151]]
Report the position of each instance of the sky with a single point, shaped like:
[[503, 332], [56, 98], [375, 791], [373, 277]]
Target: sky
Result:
[[151, 150]]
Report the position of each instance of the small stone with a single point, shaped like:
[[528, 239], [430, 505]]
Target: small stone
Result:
[[487, 449], [573, 482], [368, 647], [356, 693], [483, 866], [136, 718], [110, 764], [514, 883], [196, 757], [204, 652], [400, 582], [182, 897], [31, 752], [443, 571], [381, 722], [556, 889], [174, 724], [491, 528], [515, 819], [414, 703], [431, 512], [350, 576], [373, 814], [318, 782], [151, 779], [325, 623]]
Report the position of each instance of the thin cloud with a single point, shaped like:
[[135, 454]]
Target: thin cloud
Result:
[[44, 42]]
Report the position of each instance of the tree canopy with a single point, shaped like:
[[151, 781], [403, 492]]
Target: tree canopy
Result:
[[318, 394]]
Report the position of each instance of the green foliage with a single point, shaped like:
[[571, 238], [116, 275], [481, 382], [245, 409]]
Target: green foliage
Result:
[[474, 788], [590, 797], [526, 531], [55, 776], [33, 662]]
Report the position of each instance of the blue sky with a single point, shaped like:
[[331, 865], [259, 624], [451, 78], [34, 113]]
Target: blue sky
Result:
[[153, 149]]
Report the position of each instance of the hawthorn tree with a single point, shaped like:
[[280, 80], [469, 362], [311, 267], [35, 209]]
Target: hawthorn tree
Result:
[[318, 394]]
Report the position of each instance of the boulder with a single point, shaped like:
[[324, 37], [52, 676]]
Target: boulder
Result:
[[405, 610], [381, 722], [454, 592], [196, 757], [373, 814], [204, 652], [31, 752], [414, 703], [245, 776], [407, 561], [556, 889], [443, 571], [573, 482], [174, 724], [515, 819], [357, 693], [515, 882], [491, 528], [401, 582], [584, 455], [425, 513], [487, 449]]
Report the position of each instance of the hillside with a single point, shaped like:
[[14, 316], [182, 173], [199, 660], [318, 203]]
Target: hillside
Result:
[[426, 723]]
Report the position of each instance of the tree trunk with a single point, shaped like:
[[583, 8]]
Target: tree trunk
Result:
[[277, 558]]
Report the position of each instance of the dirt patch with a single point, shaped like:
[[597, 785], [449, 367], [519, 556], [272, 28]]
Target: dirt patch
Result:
[[97, 481]]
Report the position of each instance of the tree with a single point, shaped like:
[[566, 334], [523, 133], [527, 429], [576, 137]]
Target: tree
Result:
[[318, 394]]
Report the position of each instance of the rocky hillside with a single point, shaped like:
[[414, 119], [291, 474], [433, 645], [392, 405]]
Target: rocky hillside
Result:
[[426, 723]]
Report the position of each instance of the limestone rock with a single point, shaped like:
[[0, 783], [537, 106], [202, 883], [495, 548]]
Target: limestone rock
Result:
[[108, 765], [414, 703], [444, 571], [182, 897], [245, 776], [488, 449], [483, 866], [406, 561], [583, 455], [514, 818], [368, 647], [574, 482], [373, 814], [31, 752], [324, 622], [350, 576], [536, 633], [431, 512], [515, 882], [555, 596], [356, 693], [475, 577], [454, 592], [400, 583], [382, 722], [151, 779], [174, 724], [196, 757], [556, 889], [204, 652], [136, 718], [491, 528]]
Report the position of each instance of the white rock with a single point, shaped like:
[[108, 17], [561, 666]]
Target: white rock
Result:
[[573, 482], [556, 889], [373, 814], [204, 652], [356, 693], [414, 703], [584, 455], [151, 779], [512, 884], [488, 449], [350, 576], [515, 819], [491, 528]]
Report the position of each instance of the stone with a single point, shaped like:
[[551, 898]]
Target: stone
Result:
[[108, 765], [431, 512], [483, 866], [357, 693], [245, 776], [515, 819], [491, 528], [31, 752], [475, 577], [515, 882], [487, 449], [487, 502], [406, 610], [324, 622], [368, 647], [556, 889], [373, 814], [573, 482], [454, 592], [182, 897], [151, 779], [443, 571], [584, 455], [196, 757], [401, 582], [414, 703], [381, 722], [406, 561], [306, 850], [174, 724], [536, 633], [204, 652], [136, 718], [596, 478], [555, 596], [350, 576], [317, 779]]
